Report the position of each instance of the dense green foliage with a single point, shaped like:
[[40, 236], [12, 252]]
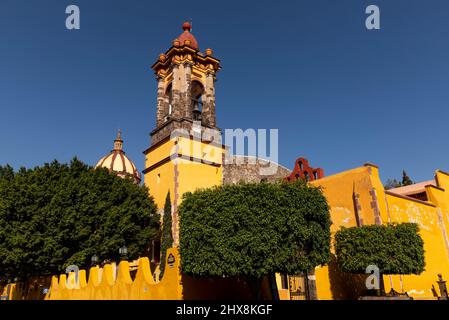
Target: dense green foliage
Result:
[[167, 236], [6, 172], [393, 248], [393, 183], [254, 230], [406, 181], [58, 215]]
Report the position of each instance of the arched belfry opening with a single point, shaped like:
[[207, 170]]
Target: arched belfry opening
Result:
[[197, 93]]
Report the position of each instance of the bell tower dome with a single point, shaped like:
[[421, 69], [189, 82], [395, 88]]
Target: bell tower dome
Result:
[[186, 86]]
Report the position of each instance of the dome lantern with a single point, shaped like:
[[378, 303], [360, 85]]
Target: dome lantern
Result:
[[118, 142]]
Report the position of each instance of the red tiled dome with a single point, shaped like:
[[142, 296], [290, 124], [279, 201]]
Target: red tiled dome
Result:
[[186, 35]]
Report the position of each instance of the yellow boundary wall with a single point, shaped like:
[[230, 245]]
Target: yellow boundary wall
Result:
[[357, 197], [102, 284]]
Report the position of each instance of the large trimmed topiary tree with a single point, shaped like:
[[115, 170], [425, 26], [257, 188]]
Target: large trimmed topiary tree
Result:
[[393, 248], [58, 215], [254, 230]]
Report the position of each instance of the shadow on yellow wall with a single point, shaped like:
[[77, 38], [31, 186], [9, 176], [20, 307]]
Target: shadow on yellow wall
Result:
[[345, 285], [31, 289], [228, 288]]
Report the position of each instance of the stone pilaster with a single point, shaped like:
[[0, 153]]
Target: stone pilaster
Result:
[[209, 101], [160, 113], [176, 92], [188, 91]]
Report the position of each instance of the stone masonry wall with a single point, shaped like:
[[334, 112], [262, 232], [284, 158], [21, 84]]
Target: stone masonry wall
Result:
[[243, 169]]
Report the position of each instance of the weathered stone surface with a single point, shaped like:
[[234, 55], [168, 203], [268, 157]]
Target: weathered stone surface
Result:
[[175, 100], [173, 124], [248, 169]]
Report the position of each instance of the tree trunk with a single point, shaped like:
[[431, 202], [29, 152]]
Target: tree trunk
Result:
[[306, 286], [311, 286], [274, 287]]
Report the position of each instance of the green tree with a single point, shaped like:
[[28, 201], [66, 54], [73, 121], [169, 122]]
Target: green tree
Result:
[[393, 248], [406, 181], [167, 236], [6, 172], [254, 230], [391, 184], [58, 215]]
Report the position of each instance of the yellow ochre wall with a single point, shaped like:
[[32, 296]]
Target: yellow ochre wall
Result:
[[162, 179], [403, 210], [356, 197], [184, 173], [192, 175], [339, 191], [103, 285]]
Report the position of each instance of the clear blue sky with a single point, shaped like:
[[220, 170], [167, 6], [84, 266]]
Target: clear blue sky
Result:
[[339, 94]]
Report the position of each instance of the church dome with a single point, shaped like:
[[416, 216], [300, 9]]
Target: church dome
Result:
[[186, 35], [119, 163]]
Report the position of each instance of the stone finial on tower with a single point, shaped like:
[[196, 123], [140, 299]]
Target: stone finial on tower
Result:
[[187, 38]]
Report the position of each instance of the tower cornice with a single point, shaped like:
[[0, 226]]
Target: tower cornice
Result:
[[183, 54]]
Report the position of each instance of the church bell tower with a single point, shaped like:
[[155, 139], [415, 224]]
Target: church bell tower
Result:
[[186, 87], [184, 152]]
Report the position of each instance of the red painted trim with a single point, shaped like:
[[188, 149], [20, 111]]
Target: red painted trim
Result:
[[302, 168]]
